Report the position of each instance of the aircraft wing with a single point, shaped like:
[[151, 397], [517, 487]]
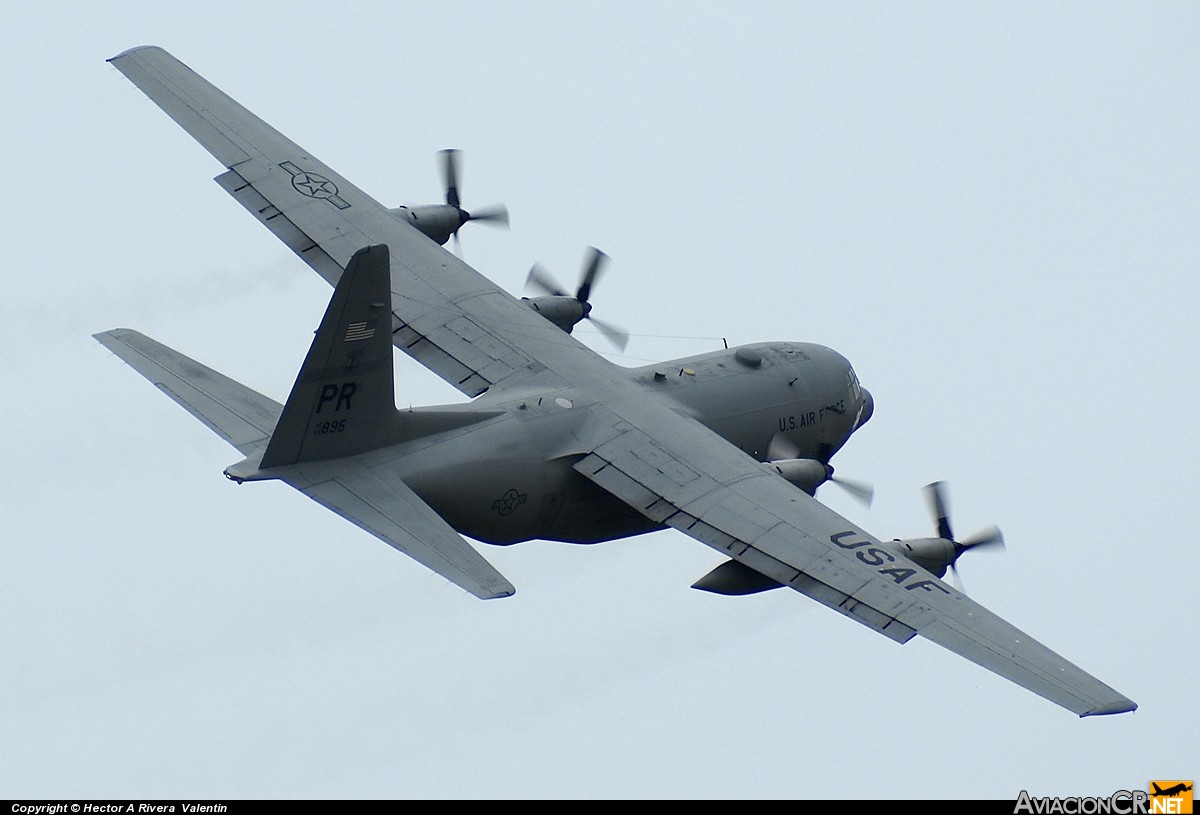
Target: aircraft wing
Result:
[[678, 473], [446, 315]]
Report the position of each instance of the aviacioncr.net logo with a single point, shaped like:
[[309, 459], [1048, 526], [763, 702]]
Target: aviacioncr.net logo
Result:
[[1170, 797], [1121, 802]]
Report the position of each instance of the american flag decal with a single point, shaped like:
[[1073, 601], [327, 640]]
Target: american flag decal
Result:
[[360, 331]]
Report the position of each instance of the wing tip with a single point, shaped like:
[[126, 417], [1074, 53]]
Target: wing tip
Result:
[[497, 593], [1121, 706], [134, 50], [114, 335]]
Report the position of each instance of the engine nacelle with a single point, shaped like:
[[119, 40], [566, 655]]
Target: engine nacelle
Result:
[[562, 310], [805, 473], [438, 221], [932, 554]]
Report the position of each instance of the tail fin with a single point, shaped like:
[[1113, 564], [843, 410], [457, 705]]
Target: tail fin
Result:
[[343, 402]]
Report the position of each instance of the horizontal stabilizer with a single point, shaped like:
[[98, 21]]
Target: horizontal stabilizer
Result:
[[389, 509], [392, 512], [241, 416]]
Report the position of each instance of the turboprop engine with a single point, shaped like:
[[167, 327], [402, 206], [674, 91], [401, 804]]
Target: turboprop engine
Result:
[[565, 310], [440, 222], [937, 555]]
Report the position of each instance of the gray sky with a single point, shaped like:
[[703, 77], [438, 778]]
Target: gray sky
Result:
[[990, 208]]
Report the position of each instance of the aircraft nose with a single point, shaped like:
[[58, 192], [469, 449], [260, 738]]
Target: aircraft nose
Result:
[[868, 408]]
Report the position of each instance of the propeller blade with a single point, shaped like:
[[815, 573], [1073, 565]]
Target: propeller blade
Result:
[[935, 493], [497, 214], [955, 580], [861, 490], [457, 244], [450, 176], [781, 447], [540, 279], [990, 538], [617, 336], [591, 271]]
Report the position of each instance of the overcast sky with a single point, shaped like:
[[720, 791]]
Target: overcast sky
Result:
[[990, 208]]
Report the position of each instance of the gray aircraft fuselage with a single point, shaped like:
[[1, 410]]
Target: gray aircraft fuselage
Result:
[[510, 478]]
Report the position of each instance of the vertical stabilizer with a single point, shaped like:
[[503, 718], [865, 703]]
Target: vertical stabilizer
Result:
[[343, 402]]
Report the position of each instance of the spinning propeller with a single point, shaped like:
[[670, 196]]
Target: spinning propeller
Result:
[[497, 213], [440, 222], [986, 539], [808, 473], [565, 310]]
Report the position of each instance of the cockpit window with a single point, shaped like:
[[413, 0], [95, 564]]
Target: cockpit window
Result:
[[852, 383]]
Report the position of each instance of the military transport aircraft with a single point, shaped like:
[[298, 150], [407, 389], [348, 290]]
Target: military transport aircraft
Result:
[[556, 442]]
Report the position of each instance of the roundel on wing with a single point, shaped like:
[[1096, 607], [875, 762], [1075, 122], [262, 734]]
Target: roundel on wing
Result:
[[314, 185]]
